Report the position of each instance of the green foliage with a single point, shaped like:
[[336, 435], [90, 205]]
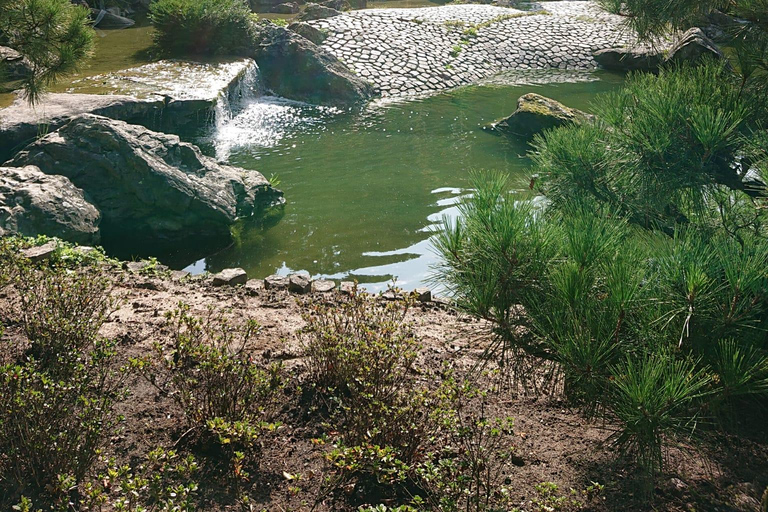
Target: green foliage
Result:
[[641, 325], [53, 35], [202, 27], [56, 401], [360, 355], [662, 144], [228, 401]]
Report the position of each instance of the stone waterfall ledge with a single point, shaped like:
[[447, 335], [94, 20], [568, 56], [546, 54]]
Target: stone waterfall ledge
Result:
[[167, 95], [416, 51]]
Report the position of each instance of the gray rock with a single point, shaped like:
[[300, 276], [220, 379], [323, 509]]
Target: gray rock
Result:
[[286, 8], [254, 286], [317, 12], [300, 283], [149, 185], [323, 286], [168, 95], [629, 59], [536, 113], [308, 31], [694, 46], [294, 67], [14, 65], [230, 277], [34, 203], [339, 5], [111, 19], [276, 282], [20, 123], [180, 275], [347, 287], [423, 294], [41, 252]]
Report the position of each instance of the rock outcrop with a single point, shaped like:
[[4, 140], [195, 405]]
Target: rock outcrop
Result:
[[692, 46], [168, 95], [33, 203], [629, 59], [317, 12], [308, 31], [149, 185], [536, 113], [13, 64], [294, 67]]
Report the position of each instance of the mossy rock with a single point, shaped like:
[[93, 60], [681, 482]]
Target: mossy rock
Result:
[[536, 113]]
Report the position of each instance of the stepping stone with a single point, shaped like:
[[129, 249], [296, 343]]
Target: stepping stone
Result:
[[253, 286], [178, 275], [346, 287], [323, 286], [300, 283], [276, 282], [41, 252], [230, 277], [423, 294]]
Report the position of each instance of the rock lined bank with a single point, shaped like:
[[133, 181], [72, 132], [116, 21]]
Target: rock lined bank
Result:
[[415, 51]]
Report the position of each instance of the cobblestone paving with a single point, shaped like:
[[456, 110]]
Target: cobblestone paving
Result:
[[415, 51]]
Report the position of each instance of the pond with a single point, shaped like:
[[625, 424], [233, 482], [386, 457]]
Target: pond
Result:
[[363, 189]]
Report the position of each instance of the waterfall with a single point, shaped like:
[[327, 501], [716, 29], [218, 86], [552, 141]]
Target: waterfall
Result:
[[233, 99]]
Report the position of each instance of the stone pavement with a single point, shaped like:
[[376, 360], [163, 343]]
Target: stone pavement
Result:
[[415, 51]]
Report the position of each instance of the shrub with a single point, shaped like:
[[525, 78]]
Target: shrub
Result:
[[360, 355], [61, 312], [202, 27], [228, 401]]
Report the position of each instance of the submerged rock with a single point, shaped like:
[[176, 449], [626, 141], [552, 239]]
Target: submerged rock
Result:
[[149, 185], [34, 203], [536, 113], [109, 19], [294, 67]]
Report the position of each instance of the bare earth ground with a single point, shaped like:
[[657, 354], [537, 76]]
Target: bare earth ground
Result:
[[553, 441]]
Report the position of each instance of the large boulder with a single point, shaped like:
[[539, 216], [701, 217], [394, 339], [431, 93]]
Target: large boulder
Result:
[[308, 31], [149, 185], [286, 8], [294, 67], [34, 203], [317, 12], [693, 46], [339, 5], [536, 113], [21, 123], [629, 59], [14, 65], [168, 95]]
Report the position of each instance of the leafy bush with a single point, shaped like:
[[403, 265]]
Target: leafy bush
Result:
[[202, 27], [360, 355], [227, 399], [56, 402], [61, 312]]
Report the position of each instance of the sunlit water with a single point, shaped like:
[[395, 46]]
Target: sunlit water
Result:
[[364, 190]]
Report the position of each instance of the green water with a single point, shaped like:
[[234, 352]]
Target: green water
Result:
[[364, 189]]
